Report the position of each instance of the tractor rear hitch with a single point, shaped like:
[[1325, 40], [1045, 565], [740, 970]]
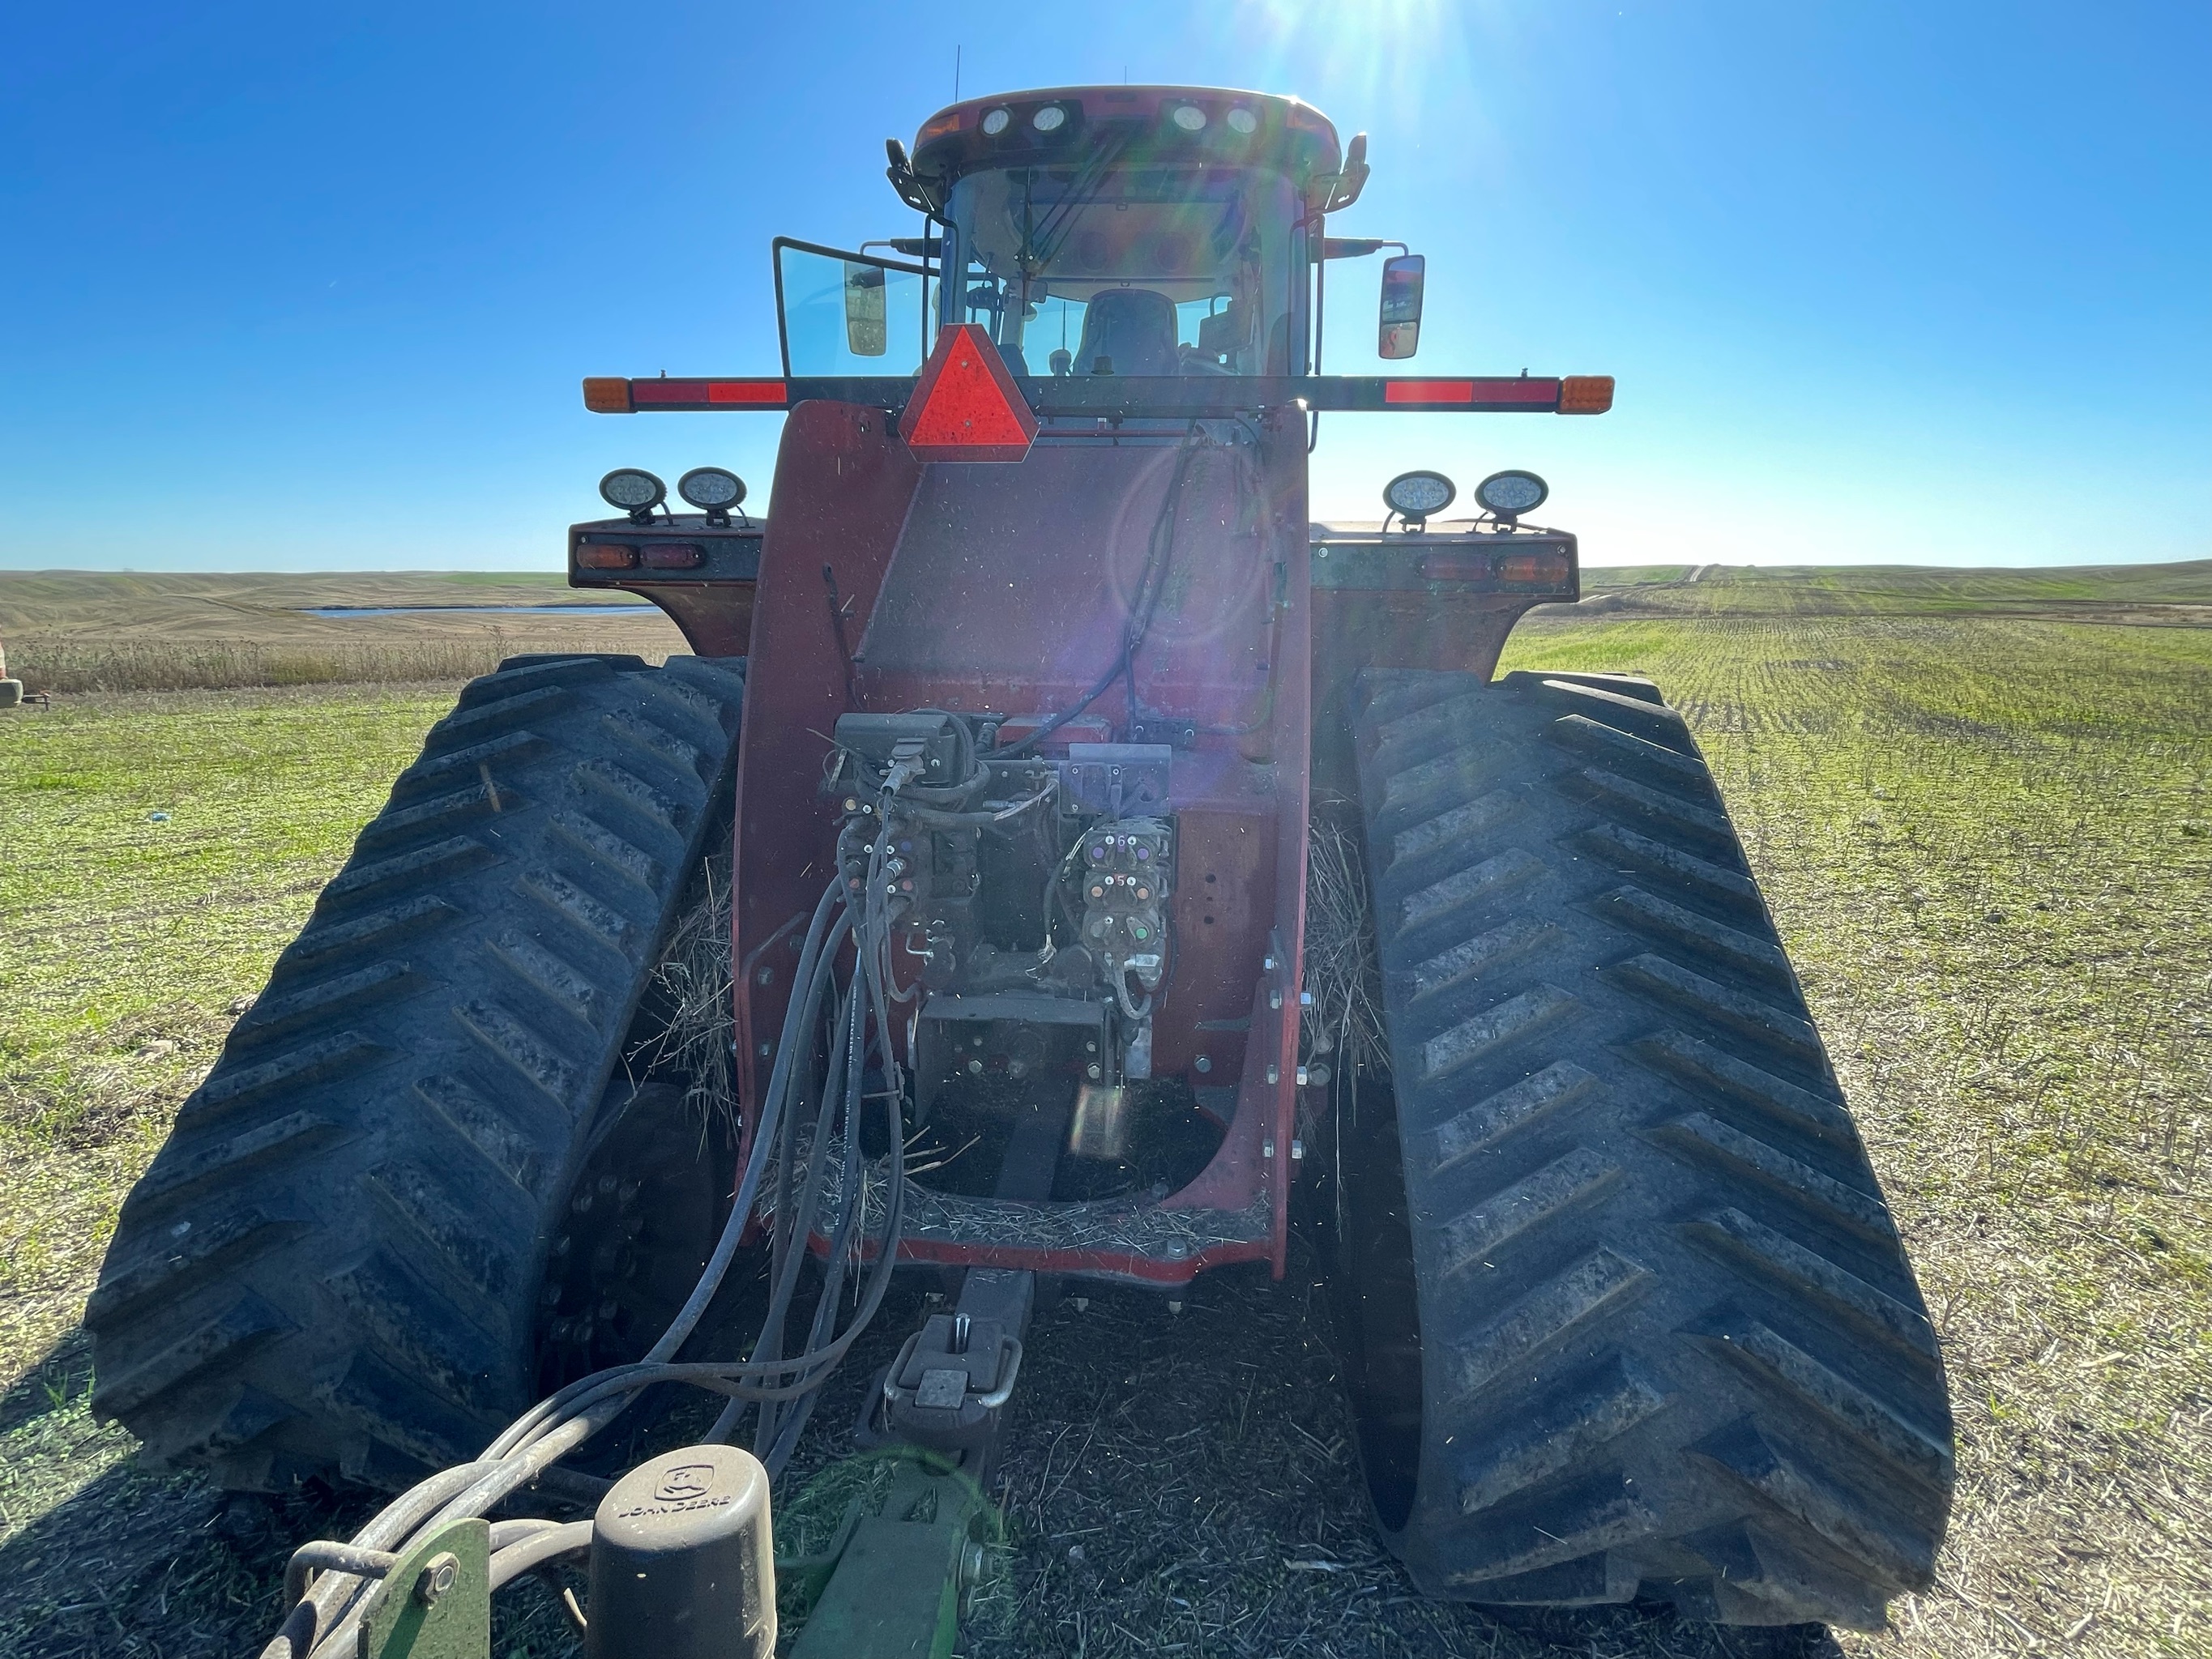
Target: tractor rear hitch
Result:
[[902, 1577]]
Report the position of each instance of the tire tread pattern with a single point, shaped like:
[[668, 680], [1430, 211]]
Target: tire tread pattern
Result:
[[331, 1267], [1670, 1343]]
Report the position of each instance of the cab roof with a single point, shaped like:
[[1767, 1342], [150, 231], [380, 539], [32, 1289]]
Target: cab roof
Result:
[[1198, 124]]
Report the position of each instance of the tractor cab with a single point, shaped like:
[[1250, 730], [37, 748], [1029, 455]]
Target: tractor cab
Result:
[[1098, 231]]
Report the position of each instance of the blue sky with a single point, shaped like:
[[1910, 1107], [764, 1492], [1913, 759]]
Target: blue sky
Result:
[[297, 286]]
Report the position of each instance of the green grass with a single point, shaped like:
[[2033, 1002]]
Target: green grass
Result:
[[1900, 590]]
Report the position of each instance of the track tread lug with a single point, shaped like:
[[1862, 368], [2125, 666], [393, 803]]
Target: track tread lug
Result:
[[1568, 1429], [1822, 1396], [346, 994], [1474, 959], [1683, 989], [226, 1092], [1701, 1136], [384, 927], [204, 1345], [1489, 1120], [507, 1038], [1494, 1222], [1483, 1033], [1543, 1318]]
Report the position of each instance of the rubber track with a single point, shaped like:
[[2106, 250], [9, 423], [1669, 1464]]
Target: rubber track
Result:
[[1670, 1342], [331, 1268]]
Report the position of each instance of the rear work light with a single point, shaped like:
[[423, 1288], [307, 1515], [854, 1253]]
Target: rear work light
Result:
[[673, 556], [1585, 394], [606, 555]]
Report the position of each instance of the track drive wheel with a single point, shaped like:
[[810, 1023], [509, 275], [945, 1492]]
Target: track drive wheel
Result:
[[1635, 1320], [407, 1195]]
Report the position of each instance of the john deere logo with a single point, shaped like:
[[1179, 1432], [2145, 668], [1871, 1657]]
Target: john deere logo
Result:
[[681, 1486]]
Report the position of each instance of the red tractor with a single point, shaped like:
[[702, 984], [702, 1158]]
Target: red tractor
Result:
[[1075, 812]]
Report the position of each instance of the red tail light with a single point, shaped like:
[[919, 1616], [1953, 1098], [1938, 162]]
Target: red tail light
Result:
[[738, 394], [673, 556]]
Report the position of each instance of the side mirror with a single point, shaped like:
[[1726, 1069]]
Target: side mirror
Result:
[[1400, 331], [867, 319]]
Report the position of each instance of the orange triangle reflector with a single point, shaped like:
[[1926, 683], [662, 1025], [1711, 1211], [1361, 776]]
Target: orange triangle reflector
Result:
[[966, 406]]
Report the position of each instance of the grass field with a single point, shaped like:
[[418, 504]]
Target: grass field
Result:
[[1985, 830]]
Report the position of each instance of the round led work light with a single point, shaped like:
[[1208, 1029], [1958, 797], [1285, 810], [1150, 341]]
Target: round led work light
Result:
[[1242, 120], [1415, 495], [997, 122], [635, 491], [713, 490], [1511, 494], [1050, 118], [1190, 118]]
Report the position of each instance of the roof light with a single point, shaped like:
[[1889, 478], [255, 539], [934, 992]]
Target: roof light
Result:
[[635, 491], [1511, 493], [938, 126], [714, 491], [1051, 118], [711, 489], [1189, 117], [966, 406], [996, 122], [1417, 495], [1586, 394], [1242, 120]]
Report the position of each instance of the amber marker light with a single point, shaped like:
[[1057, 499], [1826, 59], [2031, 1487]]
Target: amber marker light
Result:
[[1585, 394], [606, 395], [606, 555], [1549, 567]]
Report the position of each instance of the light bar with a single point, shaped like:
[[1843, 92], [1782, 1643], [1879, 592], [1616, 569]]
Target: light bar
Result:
[[1165, 397], [711, 394]]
